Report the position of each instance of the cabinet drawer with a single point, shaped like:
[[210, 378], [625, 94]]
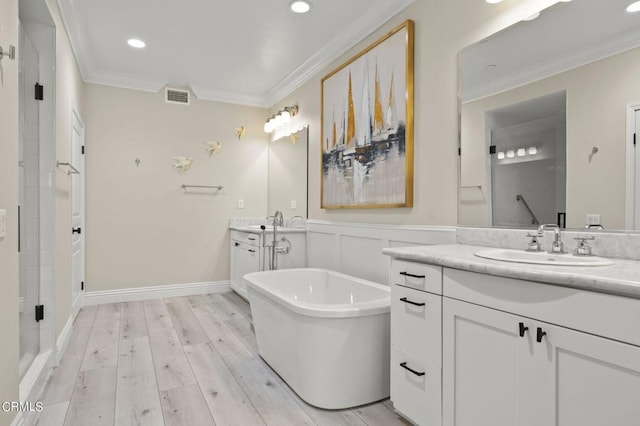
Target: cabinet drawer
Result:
[[415, 394], [416, 323], [245, 237], [416, 275]]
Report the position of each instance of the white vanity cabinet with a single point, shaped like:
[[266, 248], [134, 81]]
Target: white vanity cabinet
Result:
[[529, 354], [416, 311], [246, 257]]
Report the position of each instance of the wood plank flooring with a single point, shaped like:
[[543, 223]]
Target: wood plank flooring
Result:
[[179, 361]]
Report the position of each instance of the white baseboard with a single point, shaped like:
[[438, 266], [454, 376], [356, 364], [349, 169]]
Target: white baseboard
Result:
[[64, 337], [155, 292]]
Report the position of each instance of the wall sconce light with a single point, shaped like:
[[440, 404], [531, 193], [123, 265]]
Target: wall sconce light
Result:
[[280, 119]]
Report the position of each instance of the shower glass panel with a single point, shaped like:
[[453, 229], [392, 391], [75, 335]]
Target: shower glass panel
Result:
[[29, 217], [528, 175]]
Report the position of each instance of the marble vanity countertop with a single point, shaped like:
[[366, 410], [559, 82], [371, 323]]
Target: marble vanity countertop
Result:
[[253, 230], [622, 278]]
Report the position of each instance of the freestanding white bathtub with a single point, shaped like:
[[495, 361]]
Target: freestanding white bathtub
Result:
[[325, 333]]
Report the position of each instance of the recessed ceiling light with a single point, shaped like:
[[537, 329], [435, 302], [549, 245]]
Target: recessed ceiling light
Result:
[[634, 7], [300, 6], [493, 1], [532, 17], [134, 42], [491, 67]]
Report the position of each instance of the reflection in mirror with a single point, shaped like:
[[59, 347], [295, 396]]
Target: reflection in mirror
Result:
[[528, 165], [587, 53], [288, 174]]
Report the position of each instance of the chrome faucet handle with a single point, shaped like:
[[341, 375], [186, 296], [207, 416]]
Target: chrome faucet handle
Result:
[[534, 244], [584, 249]]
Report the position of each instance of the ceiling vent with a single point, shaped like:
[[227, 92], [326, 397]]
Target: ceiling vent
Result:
[[177, 96]]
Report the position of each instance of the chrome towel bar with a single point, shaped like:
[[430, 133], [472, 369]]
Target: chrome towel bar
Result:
[[71, 170]]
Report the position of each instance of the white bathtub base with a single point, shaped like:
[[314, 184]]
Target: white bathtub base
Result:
[[331, 363]]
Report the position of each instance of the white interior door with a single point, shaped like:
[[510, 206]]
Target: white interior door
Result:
[[77, 213]]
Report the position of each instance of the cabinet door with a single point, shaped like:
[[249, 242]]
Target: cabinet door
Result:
[[486, 367], [245, 258], [588, 380], [235, 267]]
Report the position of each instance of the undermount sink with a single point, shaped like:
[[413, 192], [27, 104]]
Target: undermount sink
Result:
[[542, 258]]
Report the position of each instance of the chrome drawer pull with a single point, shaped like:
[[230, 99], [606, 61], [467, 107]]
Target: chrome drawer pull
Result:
[[406, 274], [417, 373], [405, 300]]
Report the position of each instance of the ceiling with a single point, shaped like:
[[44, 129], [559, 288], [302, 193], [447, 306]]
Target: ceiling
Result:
[[565, 36], [240, 51]]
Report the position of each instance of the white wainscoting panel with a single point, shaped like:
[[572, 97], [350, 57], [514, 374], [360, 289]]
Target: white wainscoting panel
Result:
[[356, 248]]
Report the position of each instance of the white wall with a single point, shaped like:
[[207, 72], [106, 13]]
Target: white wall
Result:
[[597, 95], [442, 28], [142, 229], [9, 201]]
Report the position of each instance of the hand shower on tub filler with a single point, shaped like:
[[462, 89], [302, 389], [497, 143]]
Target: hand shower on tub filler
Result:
[[282, 246]]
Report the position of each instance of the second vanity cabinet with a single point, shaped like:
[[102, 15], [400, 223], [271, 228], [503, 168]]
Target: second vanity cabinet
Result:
[[515, 353], [245, 257], [247, 254]]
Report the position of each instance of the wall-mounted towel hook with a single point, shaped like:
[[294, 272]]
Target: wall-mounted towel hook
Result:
[[137, 161]]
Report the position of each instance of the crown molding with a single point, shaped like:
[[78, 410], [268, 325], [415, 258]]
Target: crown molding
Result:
[[126, 81], [363, 26], [597, 52], [360, 28], [76, 33], [228, 97]]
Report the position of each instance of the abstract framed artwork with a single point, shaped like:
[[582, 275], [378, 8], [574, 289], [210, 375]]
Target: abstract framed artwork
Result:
[[367, 127]]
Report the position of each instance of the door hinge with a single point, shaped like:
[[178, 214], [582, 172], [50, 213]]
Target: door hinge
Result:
[[492, 149], [634, 139], [39, 313], [39, 92], [82, 285], [82, 149], [459, 152]]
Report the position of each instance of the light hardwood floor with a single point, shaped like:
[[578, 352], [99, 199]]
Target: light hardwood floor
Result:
[[179, 361]]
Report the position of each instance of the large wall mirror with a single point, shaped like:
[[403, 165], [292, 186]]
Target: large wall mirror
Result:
[[548, 108], [288, 160]]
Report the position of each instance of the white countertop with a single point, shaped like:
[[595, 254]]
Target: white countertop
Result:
[[622, 278], [253, 230]]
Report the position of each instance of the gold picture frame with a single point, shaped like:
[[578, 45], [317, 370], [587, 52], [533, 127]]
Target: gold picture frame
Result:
[[366, 129]]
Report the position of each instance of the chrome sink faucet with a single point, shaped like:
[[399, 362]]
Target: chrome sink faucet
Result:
[[557, 246]]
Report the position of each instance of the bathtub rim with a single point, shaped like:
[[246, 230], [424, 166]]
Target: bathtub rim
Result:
[[337, 310]]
